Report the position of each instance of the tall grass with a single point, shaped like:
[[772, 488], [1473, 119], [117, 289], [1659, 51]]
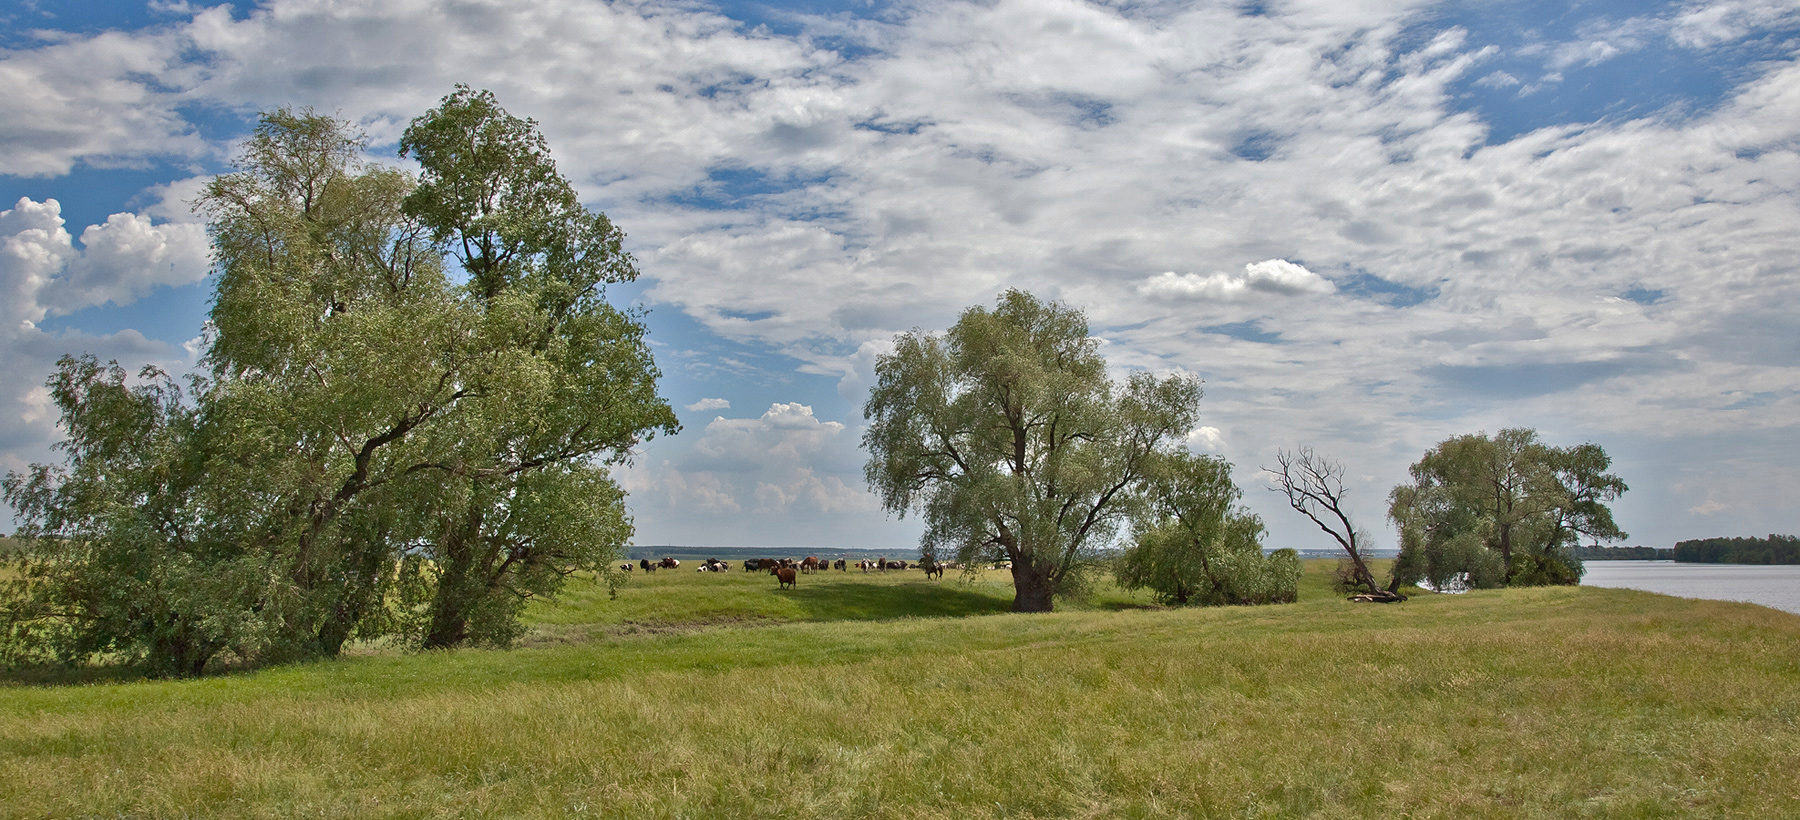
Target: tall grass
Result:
[[1565, 702]]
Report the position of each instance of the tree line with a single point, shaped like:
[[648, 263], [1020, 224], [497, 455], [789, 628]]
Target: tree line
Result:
[[1775, 549], [411, 390], [1006, 437]]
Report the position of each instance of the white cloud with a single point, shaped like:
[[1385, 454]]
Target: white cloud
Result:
[[41, 270], [786, 465], [1207, 438], [1708, 507], [709, 404], [1498, 79], [1273, 276], [123, 259], [105, 100]]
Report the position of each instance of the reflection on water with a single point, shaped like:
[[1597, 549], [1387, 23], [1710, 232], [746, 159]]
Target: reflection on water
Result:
[[1771, 586]]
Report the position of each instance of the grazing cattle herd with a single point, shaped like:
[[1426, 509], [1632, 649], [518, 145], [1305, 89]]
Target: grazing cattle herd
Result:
[[788, 570]]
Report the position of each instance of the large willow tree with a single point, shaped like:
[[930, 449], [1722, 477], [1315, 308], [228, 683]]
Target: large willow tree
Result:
[[381, 447], [1009, 439]]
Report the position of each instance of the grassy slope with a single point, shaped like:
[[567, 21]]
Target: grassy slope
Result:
[[1527, 703]]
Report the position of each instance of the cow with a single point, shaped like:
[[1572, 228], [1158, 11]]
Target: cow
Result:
[[750, 565], [788, 577], [645, 565], [842, 565], [670, 563], [810, 565]]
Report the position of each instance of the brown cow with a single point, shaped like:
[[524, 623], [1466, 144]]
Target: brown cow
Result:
[[788, 577], [810, 565]]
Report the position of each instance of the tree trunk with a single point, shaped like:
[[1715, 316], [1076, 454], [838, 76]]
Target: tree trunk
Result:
[[1031, 591], [1364, 577], [455, 587]]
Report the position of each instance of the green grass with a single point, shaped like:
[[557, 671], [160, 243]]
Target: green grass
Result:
[[850, 700]]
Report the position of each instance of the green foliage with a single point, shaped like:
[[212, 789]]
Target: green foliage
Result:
[[1192, 543], [1776, 549], [1006, 435], [109, 561], [1485, 512], [378, 451]]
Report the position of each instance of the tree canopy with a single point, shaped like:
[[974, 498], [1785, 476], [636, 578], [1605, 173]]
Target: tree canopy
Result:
[[1006, 435], [1502, 510]]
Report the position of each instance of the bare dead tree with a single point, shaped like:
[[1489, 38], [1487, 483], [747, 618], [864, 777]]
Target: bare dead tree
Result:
[[1314, 485]]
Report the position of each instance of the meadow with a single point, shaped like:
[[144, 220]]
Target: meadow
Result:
[[701, 695]]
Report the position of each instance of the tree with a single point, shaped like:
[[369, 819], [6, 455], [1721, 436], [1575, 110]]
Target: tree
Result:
[[569, 378], [1007, 437], [338, 340], [1505, 510], [1192, 542], [1314, 486], [377, 450]]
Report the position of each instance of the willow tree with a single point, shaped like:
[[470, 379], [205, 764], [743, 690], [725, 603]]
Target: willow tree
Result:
[[1007, 437], [563, 382], [1503, 510], [338, 340], [379, 447]]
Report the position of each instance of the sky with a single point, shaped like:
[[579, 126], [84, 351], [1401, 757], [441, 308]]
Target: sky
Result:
[[1368, 225]]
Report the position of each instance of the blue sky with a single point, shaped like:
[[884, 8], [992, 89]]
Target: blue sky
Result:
[[1368, 225]]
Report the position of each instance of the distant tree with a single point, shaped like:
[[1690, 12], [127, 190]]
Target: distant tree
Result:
[[1193, 544], [1776, 549], [1314, 487], [1007, 436], [1504, 510]]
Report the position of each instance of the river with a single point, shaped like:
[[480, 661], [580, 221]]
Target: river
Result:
[[1772, 586]]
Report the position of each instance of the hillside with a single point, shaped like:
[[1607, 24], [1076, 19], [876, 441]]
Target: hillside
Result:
[[839, 702]]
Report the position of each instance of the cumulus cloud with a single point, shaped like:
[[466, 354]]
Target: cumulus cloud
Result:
[[1272, 276], [119, 261], [709, 404], [1206, 438], [786, 465], [124, 258], [42, 272]]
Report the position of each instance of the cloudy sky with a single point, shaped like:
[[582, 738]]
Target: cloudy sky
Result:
[[1367, 224]]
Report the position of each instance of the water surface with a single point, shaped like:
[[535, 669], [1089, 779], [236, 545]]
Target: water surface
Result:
[[1772, 586]]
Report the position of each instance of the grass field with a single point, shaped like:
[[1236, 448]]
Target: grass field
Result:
[[695, 695]]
